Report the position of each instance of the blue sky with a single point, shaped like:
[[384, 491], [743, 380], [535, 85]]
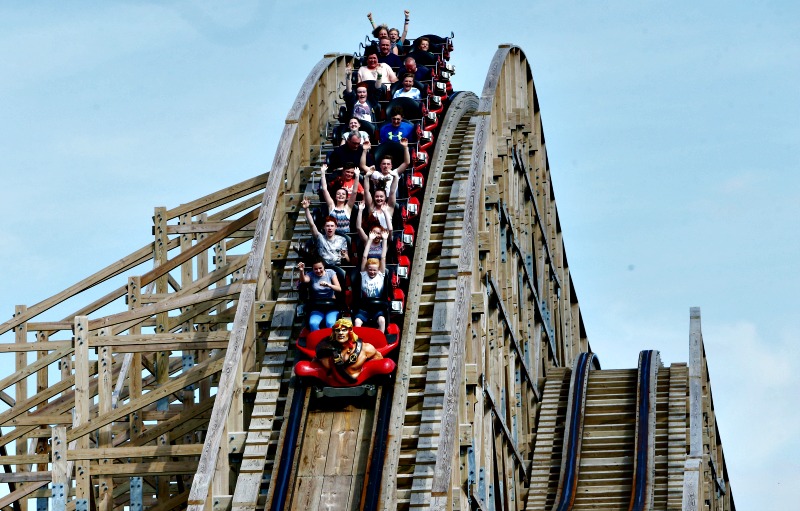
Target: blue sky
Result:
[[672, 132]]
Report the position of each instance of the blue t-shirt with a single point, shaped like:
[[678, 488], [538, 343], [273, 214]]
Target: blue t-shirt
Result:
[[390, 133]]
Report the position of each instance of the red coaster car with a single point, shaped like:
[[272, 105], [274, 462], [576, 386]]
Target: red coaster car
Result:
[[371, 368]]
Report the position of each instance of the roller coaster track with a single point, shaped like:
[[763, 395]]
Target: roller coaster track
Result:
[[174, 389]]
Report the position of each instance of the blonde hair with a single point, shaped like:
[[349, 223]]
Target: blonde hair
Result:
[[373, 260], [345, 322]]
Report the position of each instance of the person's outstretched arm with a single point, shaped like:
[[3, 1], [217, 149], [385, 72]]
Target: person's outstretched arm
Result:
[[405, 28], [323, 187], [306, 203], [301, 267], [365, 257], [385, 237], [359, 227]]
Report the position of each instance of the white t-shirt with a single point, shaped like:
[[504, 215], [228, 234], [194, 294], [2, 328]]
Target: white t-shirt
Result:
[[364, 73]]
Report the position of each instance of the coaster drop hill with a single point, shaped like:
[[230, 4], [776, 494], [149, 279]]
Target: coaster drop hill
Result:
[[176, 388]]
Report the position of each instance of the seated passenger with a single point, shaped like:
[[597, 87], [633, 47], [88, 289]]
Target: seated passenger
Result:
[[349, 180], [385, 55], [331, 247], [355, 126], [407, 90], [383, 177], [323, 282], [380, 204], [397, 129], [372, 300], [340, 206], [421, 73], [344, 352], [422, 53], [375, 70], [358, 104], [350, 152]]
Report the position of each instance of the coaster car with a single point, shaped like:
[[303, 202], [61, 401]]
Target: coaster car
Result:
[[314, 369]]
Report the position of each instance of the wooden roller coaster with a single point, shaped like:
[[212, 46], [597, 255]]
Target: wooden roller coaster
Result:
[[175, 388]]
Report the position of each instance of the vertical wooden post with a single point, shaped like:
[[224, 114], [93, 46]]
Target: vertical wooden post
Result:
[[21, 388], [135, 371], [60, 474], [204, 387], [189, 357], [82, 400], [160, 257], [105, 391]]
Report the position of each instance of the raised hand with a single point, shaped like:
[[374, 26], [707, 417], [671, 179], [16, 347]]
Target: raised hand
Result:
[[305, 203]]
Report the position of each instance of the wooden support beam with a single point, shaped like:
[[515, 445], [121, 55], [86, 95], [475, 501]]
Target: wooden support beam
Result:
[[515, 342], [197, 373], [82, 402]]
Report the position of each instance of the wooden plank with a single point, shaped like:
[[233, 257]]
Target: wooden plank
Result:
[[117, 341], [220, 197], [343, 442], [316, 443], [21, 493], [695, 384], [21, 374], [35, 346], [335, 493], [82, 397], [167, 305], [148, 451], [161, 468]]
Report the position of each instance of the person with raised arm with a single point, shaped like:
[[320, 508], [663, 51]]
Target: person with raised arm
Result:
[[373, 302], [382, 178], [393, 33], [331, 247], [381, 202], [323, 283], [358, 103], [374, 226], [340, 206]]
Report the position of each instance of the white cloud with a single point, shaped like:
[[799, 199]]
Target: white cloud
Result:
[[754, 380]]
